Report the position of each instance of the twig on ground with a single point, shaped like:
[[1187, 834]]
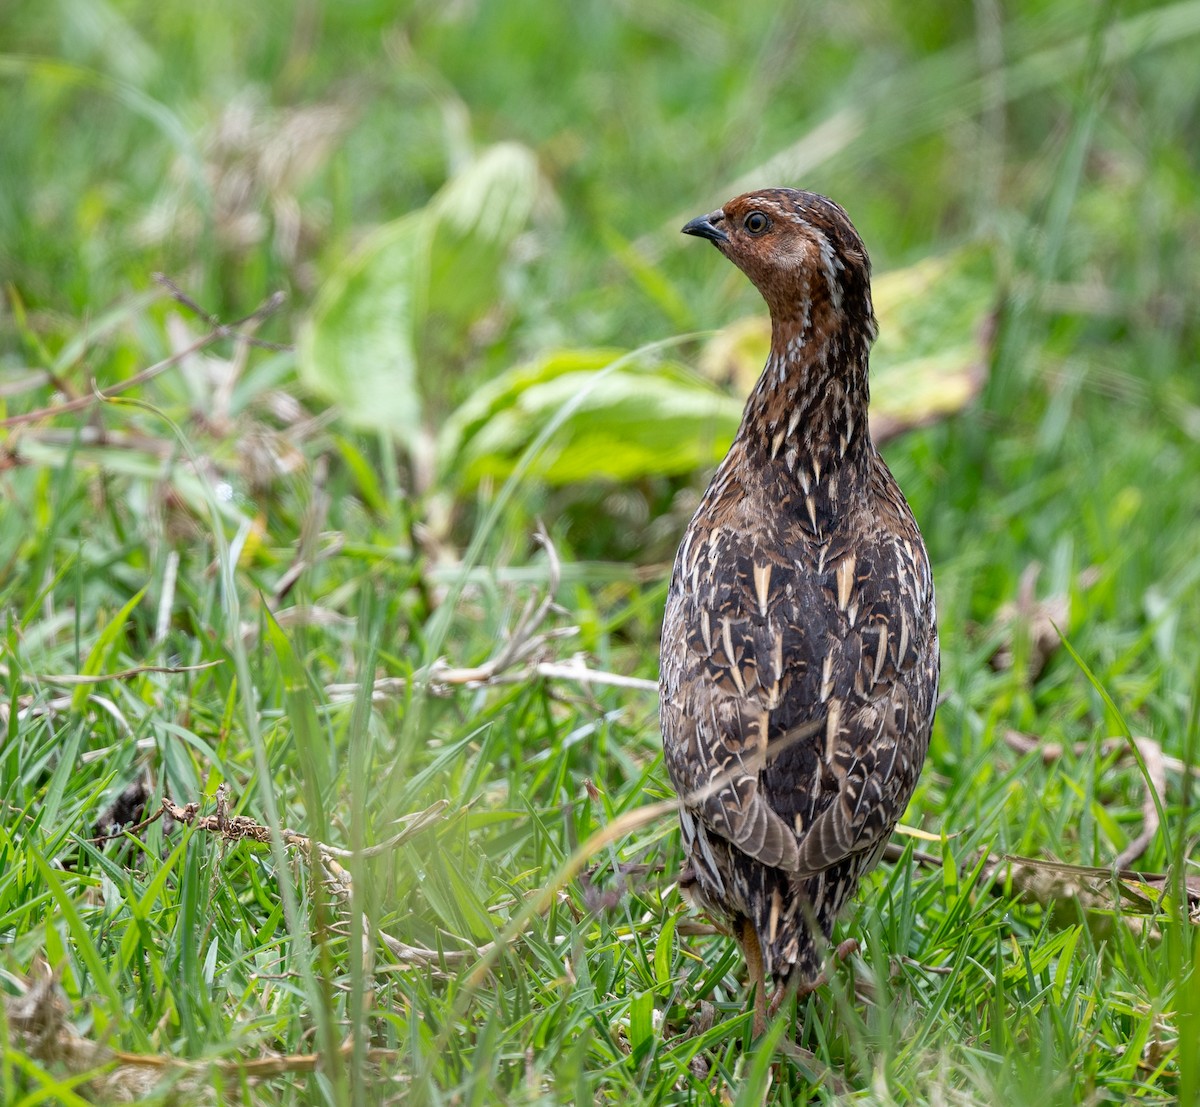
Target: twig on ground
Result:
[[241, 827], [576, 670], [409, 955], [256, 1068], [516, 658], [1052, 751], [1050, 884], [238, 827], [72, 679]]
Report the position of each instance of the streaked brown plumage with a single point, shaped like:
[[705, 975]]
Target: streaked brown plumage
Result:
[[799, 650]]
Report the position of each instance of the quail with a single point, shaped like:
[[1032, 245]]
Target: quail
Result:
[[799, 660]]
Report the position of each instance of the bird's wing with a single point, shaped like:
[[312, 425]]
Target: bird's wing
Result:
[[785, 727]]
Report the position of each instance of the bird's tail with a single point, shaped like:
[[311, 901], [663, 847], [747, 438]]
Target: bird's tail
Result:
[[794, 918]]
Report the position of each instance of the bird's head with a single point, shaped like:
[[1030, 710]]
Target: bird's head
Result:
[[801, 252]]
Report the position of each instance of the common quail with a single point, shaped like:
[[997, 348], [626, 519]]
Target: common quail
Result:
[[799, 662]]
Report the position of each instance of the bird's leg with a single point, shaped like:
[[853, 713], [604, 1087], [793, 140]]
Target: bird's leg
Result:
[[781, 993], [748, 940]]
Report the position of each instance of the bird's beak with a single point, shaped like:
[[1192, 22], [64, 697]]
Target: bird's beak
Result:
[[705, 226]]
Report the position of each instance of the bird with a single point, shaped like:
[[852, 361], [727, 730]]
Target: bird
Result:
[[799, 660]]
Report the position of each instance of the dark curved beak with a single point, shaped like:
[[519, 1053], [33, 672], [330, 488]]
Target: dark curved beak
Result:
[[706, 226]]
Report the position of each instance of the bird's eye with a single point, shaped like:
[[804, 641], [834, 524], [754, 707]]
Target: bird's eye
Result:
[[756, 222]]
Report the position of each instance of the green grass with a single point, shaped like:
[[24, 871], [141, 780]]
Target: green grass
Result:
[[233, 549]]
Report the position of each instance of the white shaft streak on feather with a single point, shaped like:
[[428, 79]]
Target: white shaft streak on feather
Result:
[[735, 671], [737, 766], [776, 670], [881, 652], [845, 580], [762, 587], [833, 727], [685, 553]]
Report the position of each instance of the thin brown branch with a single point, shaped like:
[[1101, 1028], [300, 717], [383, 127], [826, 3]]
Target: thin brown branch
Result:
[[242, 828], [420, 955], [255, 1067], [81, 403], [1055, 884], [516, 659], [235, 828], [577, 671], [229, 330], [1154, 790], [138, 828], [37, 1020], [1154, 784], [1052, 751]]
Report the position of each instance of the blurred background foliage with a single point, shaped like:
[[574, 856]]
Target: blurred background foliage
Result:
[[490, 319]]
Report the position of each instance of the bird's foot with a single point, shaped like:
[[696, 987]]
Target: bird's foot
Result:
[[764, 1014], [841, 951]]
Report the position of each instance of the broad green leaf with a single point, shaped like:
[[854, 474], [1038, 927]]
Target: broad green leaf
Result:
[[476, 218], [390, 317], [505, 390], [631, 423], [356, 348]]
